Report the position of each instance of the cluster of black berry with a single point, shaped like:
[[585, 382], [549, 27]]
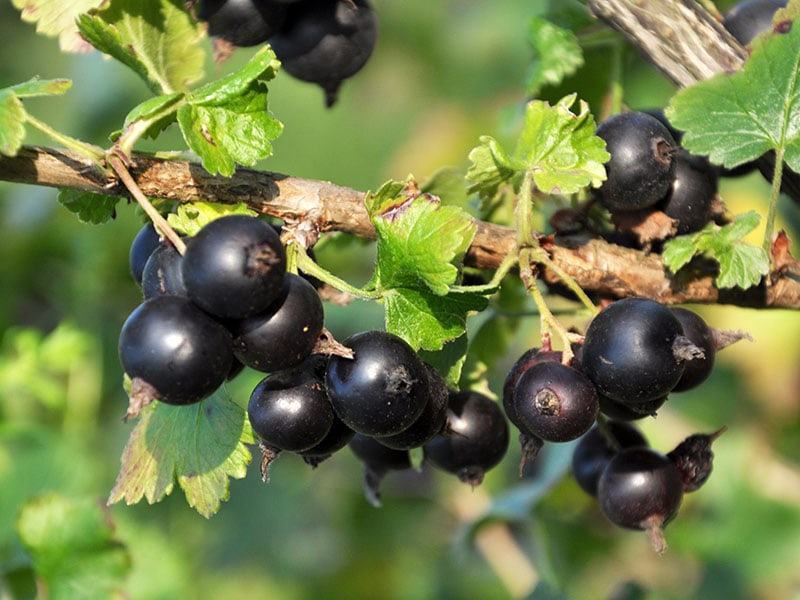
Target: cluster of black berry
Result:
[[228, 302], [319, 41], [635, 353], [225, 303]]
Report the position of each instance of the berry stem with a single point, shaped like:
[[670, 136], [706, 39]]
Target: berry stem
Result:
[[159, 222], [309, 267], [777, 176]]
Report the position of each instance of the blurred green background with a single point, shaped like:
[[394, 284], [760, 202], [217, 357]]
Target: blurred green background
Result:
[[443, 74]]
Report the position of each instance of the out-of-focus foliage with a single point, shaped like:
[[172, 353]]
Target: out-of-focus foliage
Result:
[[444, 73]]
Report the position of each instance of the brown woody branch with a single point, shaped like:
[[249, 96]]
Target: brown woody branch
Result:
[[597, 266]]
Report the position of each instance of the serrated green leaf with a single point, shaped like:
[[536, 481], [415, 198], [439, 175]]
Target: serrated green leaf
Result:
[[426, 320], [557, 54], [556, 145], [560, 147], [57, 18], [737, 118], [12, 123], [72, 545], [240, 130], [385, 197], [418, 242], [201, 445], [155, 38], [263, 66], [89, 207], [740, 264], [191, 218], [156, 113], [490, 168]]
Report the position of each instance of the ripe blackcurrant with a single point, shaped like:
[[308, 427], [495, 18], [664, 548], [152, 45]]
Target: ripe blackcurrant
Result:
[[475, 438], [243, 22], [699, 333], [285, 333], [429, 423], [530, 357], [747, 19], [234, 267], [383, 389], [629, 412], [691, 196], [641, 167], [629, 351], [597, 447], [176, 349], [289, 410], [378, 461], [641, 488], [555, 402], [163, 275], [326, 41], [142, 247]]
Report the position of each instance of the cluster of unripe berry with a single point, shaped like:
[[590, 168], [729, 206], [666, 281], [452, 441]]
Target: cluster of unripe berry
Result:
[[635, 353], [319, 41]]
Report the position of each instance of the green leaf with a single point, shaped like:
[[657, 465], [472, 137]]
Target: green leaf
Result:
[[156, 113], [419, 240], [201, 445], [89, 207], [12, 123], [556, 145], [740, 264], [557, 54], [449, 361], [57, 18], [12, 112], [155, 38], [737, 118], [427, 320], [72, 545], [490, 168], [560, 147], [263, 66], [191, 218]]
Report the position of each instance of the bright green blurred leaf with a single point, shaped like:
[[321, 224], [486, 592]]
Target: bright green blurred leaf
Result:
[[191, 218], [201, 445], [57, 18], [155, 38], [12, 113], [89, 207], [41, 87], [556, 54], [74, 551], [737, 118]]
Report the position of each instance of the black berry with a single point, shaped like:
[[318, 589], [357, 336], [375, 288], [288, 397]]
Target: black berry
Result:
[[597, 447], [746, 20], [142, 247], [243, 22]]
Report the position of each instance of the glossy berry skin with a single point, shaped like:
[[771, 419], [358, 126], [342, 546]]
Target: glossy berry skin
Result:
[[641, 167], [629, 412], [378, 461], [554, 402], [475, 439], [162, 275], [690, 199], [747, 19], [176, 348], [289, 410], [699, 333], [326, 42], [628, 351], [429, 423], [530, 357], [594, 451], [142, 247], [243, 22], [640, 488], [284, 335], [337, 438], [234, 267], [383, 389]]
